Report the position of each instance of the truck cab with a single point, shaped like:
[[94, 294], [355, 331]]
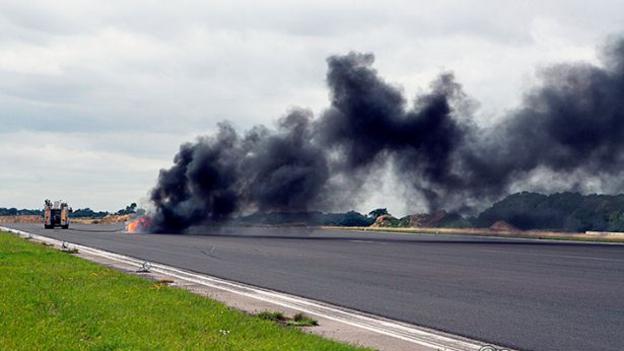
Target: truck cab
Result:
[[56, 214]]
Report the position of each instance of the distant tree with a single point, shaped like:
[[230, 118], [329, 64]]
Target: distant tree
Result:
[[560, 211], [354, 219], [87, 212], [130, 209], [15, 212], [616, 221], [378, 212]]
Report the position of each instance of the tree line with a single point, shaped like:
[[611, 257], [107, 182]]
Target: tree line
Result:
[[78, 213]]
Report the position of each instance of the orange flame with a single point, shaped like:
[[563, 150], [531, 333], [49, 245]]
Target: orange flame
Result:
[[139, 225], [132, 226]]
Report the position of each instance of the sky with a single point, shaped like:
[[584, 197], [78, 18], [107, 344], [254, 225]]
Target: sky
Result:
[[96, 97]]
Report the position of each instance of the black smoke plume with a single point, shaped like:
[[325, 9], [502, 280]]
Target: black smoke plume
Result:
[[572, 123]]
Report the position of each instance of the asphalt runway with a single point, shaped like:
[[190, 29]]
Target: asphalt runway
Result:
[[525, 294]]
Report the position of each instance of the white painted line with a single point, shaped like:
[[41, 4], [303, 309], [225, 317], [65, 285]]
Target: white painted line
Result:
[[403, 331]]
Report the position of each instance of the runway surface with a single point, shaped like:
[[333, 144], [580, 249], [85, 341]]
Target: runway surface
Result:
[[525, 294]]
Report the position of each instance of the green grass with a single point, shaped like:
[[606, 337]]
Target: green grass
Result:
[[50, 300]]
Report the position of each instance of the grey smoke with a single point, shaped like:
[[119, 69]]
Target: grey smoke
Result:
[[572, 122]]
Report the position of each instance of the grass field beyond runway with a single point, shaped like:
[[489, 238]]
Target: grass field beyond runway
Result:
[[51, 300]]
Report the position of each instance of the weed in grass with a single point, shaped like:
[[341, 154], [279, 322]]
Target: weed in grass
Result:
[[159, 284], [299, 320], [272, 316]]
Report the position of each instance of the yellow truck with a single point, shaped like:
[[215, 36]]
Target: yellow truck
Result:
[[56, 214]]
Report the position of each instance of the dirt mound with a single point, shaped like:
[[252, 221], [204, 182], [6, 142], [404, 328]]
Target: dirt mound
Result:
[[385, 221], [419, 220], [424, 219], [502, 226], [21, 219], [109, 219], [116, 219]]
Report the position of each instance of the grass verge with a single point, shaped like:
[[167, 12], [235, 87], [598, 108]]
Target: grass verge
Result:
[[54, 301]]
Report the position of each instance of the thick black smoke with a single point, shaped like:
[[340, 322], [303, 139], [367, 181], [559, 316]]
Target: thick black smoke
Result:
[[572, 122], [217, 176], [369, 123]]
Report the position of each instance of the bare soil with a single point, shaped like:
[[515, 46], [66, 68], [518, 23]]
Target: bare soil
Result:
[[37, 219]]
